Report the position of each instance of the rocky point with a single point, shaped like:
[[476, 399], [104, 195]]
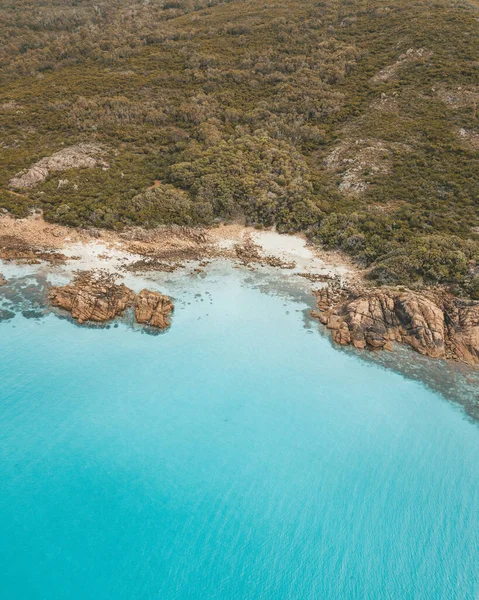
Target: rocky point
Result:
[[435, 324]]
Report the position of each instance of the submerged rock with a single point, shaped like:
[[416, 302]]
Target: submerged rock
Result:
[[93, 297], [154, 309], [96, 296], [434, 324]]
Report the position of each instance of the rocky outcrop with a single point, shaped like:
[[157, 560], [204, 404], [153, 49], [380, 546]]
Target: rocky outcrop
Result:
[[356, 160], [3, 281], [73, 157], [153, 309], [462, 326], [250, 253], [437, 325], [16, 248], [92, 297], [411, 55], [96, 296]]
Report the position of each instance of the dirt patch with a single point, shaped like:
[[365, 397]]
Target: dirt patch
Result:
[[37, 232], [459, 97]]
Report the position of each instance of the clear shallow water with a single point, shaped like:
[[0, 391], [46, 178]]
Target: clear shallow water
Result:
[[238, 456]]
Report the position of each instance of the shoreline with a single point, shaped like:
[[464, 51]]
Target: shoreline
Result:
[[355, 313], [167, 248]]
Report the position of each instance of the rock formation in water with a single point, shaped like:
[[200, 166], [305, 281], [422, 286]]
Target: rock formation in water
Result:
[[154, 309], [3, 281], [433, 323], [96, 296], [93, 297]]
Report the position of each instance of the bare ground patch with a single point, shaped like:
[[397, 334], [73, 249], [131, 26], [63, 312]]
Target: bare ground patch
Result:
[[357, 160], [411, 55]]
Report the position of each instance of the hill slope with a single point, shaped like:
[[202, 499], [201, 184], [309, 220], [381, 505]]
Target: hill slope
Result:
[[356, 122]]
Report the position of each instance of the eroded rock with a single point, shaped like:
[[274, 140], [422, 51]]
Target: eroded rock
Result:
[[16, 248], [462, 325], [356, 161], [96, 296], [93, 297], [250, 253], [73, 157], [153, 309], [434, 324]]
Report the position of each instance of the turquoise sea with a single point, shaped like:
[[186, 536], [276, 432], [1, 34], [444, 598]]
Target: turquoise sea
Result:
[[237, 456]]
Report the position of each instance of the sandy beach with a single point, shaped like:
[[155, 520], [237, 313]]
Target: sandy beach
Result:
[[136, 250]]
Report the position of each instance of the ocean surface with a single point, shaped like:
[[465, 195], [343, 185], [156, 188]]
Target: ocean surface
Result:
[[237, 456]]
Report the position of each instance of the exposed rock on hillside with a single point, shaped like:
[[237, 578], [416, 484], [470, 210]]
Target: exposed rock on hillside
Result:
[[409, 56], [463, 96], [437, 325], [469, 138], [73, 157], [95, 296], [357, 160], [153, 309]]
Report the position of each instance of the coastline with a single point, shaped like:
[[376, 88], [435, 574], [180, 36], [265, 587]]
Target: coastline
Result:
[[170, 248], [30, 283], [355, 313]]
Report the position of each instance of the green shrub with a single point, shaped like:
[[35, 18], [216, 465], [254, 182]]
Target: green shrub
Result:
[[429, 259]]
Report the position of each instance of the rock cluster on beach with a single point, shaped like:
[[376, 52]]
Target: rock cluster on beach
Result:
[[16, 248], [94, 296], [435, 324]]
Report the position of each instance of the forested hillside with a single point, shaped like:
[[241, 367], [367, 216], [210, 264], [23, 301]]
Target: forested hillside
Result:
[[356, 122]]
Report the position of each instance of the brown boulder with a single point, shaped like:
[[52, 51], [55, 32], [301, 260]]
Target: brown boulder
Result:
[[436, 325], [93, 297], [153, 308], [422, 323], [463, 331]]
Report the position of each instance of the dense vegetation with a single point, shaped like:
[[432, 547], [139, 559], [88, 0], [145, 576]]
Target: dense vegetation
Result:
[[354, 121]]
